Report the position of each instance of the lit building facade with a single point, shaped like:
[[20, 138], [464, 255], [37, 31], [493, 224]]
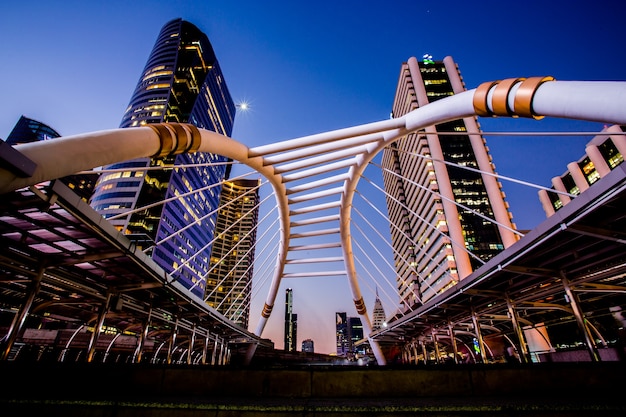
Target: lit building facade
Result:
[[355, 333], [378, 314], [437, 242], [341, 334], [181, 83], [28, 130], [603, 154], [349, 330], [291, 323], [229, 280]]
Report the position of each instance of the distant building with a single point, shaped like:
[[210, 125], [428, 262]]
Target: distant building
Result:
[[308, 346], [349, 330], [603, 154], [436, 209], [182, 82], [291, 323], [378, 314], [229, 280], [28, 130], [342, 337], [355, 333]]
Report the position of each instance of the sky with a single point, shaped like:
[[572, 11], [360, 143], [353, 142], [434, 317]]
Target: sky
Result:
[[309, 67]]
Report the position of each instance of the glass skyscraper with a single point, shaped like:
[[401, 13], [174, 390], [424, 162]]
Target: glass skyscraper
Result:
[[439, 212], [28, 130], [291, 323], [229, 281], [181, 83]]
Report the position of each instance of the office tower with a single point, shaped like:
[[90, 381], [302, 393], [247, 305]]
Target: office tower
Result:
[[342, 337], [378, 314], [439, 211], [229, 281], [355, 333], [602, 155], [308, 346], [181, 83], [291, 323], [29, 130]]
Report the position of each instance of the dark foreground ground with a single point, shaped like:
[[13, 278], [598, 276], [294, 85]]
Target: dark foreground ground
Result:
[[547, 389]]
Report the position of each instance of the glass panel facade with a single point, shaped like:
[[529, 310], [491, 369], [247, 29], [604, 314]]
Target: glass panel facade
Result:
[[181, 82]]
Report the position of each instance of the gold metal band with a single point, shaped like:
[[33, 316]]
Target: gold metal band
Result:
[[267, 310], [480, 99], [165, 137], [186, 137], [522, 101], [500, 97], [360, 306], [196, 138], [524, 96], [182, 136]]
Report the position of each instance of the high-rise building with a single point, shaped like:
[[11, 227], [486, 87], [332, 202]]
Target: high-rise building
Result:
[[28, 130], [439, 212], [181, 83], [342, 337], [355, 333], [602, 155], [349, 330], [291, 323], [228, 284], [378, 314]]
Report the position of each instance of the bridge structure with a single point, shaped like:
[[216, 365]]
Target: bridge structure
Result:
[[314, 180]]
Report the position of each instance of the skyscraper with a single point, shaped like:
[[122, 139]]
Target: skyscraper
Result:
[[291, 323], [603, 154], [29, 130], [341, 334], [181, 83], [349, 330], [378, 314], [355, 333], [229, 280], [439, 213]]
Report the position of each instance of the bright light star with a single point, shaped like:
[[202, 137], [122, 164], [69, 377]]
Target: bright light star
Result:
[[243, 106]]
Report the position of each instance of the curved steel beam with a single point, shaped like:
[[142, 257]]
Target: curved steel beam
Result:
[[533, 97]]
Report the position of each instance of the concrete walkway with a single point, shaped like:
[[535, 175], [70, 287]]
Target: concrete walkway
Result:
[[584, 389]]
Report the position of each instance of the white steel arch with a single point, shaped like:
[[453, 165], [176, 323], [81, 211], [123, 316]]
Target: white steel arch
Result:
[[320, 173]]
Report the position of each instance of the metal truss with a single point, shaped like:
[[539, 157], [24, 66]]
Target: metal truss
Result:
[[314, 178]]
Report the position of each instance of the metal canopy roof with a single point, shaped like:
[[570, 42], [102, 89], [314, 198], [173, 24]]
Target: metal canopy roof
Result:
[[585, 242], [85, 260]]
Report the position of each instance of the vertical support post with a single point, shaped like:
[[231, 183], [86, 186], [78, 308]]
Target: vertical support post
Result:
[[479, 336], [221, 353], [414, 351], [424, 351], [93, 341], [580, 319], [214, 353], [172, 342], [433, 332], [142, 338], [455, 348], [205, 348], [192, 341], [20, 317], [523, 347]]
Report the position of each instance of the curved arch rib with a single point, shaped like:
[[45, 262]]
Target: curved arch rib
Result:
[[533, 97]]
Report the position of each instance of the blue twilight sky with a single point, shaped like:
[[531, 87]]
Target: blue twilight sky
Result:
[[307, 67]]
